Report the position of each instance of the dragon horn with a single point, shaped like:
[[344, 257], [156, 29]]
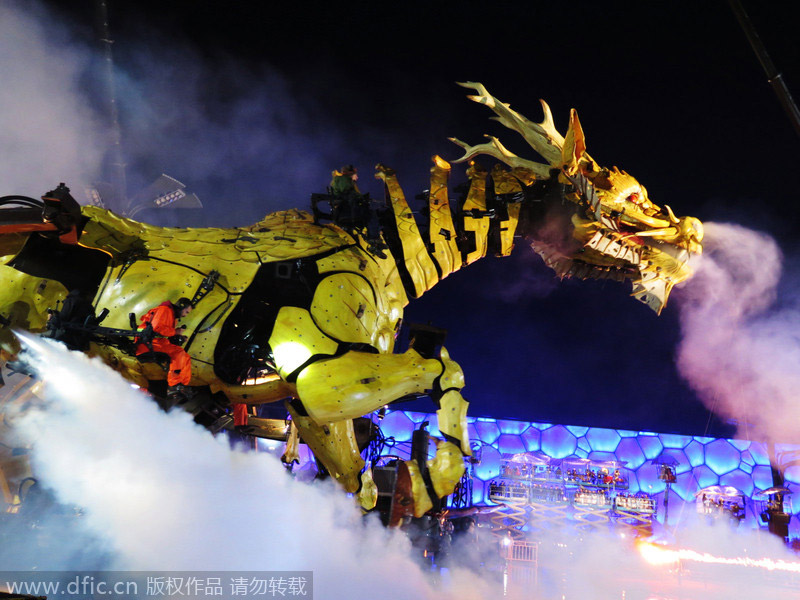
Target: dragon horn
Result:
[[542, 137], [671, 214], [574, 144]]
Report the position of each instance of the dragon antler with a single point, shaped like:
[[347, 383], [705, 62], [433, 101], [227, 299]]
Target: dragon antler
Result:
[[497, 150], [559, 151]]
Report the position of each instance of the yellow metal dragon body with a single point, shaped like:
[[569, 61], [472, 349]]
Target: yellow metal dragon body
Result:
[[296, 310]]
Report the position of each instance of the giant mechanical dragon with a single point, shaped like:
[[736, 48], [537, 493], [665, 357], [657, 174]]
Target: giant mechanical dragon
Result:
[[296, 310]]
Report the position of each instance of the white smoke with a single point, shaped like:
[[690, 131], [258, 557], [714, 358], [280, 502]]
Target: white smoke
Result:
[[160, 493], [740, 350], [48, 132], [163, 494]]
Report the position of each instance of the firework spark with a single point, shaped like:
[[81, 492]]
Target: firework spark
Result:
[[659, 555]]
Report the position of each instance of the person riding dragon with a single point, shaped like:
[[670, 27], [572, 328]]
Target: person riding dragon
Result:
[[297, 310]]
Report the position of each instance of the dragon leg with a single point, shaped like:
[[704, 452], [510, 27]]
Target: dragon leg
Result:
[[334, 391], [334, 445], [447, 467]]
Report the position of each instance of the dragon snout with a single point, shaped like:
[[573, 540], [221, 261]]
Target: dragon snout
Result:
[[691, 230]]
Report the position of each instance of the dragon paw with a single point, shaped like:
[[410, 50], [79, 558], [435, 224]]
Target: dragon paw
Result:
[[368, 494], [445, 470]]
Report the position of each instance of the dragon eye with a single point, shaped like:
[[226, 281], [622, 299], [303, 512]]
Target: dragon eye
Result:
[[635, 197]]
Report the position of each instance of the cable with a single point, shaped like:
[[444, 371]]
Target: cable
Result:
[[24, 200], [711, 412]]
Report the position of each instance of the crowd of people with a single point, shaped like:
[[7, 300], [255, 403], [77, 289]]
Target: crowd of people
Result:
[[602, 477], [530, 493], [595, 485], [500, 489], [589, 497], [638, 502], [511, 491], [717, 506], [548, 493], [598, 477], [530, 472]]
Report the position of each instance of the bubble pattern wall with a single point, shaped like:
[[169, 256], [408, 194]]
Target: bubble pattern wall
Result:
[[702, 461]]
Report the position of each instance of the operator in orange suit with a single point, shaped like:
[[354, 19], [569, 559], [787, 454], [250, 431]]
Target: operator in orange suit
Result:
[[163, 318]]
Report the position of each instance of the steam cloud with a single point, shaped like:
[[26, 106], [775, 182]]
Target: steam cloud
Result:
[[48, 132], [740, 351], [160, 493], [163, 494]]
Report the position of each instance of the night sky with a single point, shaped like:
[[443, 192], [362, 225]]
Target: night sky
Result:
[[265, 99]]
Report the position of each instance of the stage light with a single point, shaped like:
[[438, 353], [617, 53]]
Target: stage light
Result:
[[94, 197], [260, 379], [290, 355], [162, 201], [163, 192]]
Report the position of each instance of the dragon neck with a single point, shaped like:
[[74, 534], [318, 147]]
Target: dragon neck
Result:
[[484, 225]]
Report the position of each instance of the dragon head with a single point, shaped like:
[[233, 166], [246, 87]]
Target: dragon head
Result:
[[621, 233]]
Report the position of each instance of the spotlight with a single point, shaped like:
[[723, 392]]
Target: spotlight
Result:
[[163, 192], [162, 201], [95, 199]]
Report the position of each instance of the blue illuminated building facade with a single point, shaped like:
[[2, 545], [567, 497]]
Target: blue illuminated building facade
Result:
[[702, 461]]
